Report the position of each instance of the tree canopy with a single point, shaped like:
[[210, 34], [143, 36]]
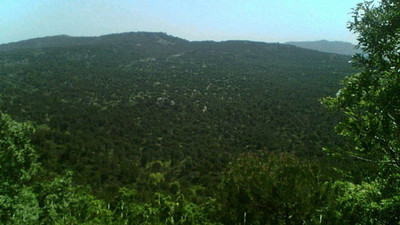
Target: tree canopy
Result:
[[370, 100], [370, 103]]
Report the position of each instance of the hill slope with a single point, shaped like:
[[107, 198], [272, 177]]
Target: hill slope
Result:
[[107, 107]]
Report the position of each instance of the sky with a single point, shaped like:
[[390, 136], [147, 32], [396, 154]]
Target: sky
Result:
[[194, 20]]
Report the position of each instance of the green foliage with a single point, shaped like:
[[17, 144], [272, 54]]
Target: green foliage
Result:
[[18, 164], [25, 208], [370, 202], [370, 100], [357, 204], [163, 210], [370, 103], [64, 203], [18, 160], [23, 201], [274, 189]]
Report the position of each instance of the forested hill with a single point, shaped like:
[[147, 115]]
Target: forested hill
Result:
[[124, 39], [108, 107], [337, 47], [68, 41]]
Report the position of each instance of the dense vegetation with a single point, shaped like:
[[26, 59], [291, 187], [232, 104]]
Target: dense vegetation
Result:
[[145, 128], [108, 110]]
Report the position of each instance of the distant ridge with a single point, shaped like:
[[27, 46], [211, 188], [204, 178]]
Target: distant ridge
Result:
[[69, 41], [337, 47], [46, 42]]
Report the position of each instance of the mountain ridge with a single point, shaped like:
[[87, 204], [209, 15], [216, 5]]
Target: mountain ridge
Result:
[[337, 47], [68, 41]]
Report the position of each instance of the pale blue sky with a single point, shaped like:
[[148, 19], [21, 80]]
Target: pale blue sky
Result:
[[257, 20]]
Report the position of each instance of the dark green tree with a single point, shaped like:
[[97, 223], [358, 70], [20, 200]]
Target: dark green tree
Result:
[[273, 189]]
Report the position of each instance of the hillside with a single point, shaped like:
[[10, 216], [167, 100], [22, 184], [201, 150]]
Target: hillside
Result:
[[107, 107], [337, 47]]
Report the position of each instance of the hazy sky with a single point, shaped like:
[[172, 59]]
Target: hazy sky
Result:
[[258, 20]]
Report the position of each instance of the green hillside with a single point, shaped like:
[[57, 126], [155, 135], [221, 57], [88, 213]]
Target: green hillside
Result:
[[140, 97], [145, 128], [161, 115]]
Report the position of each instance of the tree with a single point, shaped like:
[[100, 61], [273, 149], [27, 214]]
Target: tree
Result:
[[24, 200], [18, 159], [370, 103], [370, 100], [18, 164], [163, 209], [273, 189], [65, 203]]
